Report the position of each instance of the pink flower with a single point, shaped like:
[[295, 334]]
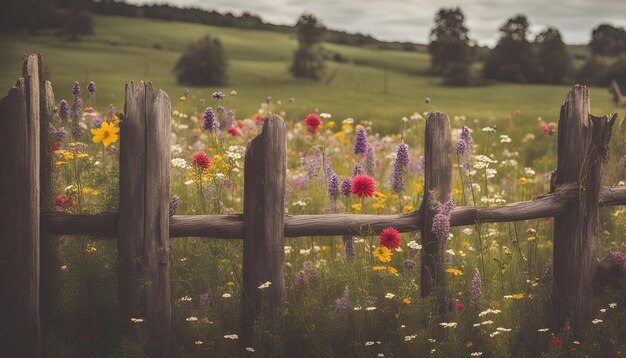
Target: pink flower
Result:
[[313, 122], [201, 160], [390, 238]]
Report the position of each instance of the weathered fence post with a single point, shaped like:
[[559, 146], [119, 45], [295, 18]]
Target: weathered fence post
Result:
[[264, 216], [582, 150], [20, 332], [437, 177], [143, 240]]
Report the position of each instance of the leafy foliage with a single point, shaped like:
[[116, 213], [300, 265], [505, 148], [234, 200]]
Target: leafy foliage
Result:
[[607, 40], [449, 41], [308, 60], [203, 64]]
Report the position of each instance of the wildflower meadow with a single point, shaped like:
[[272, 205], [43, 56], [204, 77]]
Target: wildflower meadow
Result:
[[355, 295]]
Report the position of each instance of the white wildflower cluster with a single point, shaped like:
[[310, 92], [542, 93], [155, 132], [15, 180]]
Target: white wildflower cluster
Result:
[[191, 319], [476, 354], [529, 172], [389, 295], [528, 137], [179, 163], [489, 129], [505, 138], [288, 249], [491, 172], [325, 115], [488, 311], [484, 323], [137, 320], [483, 161], [231, 336], [300, 203], [371, 308], [414, 245], [264, 285], [227, 295], [185, 299], [410, 338], [305, 251], [597, 321], [509, 163], [176, 148], [541, 330], [448, 324], [494, 199]]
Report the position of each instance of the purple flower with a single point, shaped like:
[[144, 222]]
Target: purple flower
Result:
[[204, 299], [476, 289], [409, 264], [91, 87], [64, 109], [460, 147], [547, 273], [218, 95], [111, 112], [301, 279], [75, 117], [466, 135], [209, 120], [228, 184], [441, 221], [343, 304], [76, 89], [348, 245], [346, 187], [333, 183], [400, 165], [622, 162], [96, 122], [221, 109], [370, 160], [357, 169], [312, 163], [59, 135], [360, 143], [300, 182], [229, 120], [174, 201], [619, 258]]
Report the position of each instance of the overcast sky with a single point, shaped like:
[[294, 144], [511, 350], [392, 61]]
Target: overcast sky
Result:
[[411, 20]]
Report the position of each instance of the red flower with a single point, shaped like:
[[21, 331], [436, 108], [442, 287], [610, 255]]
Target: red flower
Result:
[[313, 121], [69, 202], [458, 306], [89, 110], [363, 185], [59, 201], [55, 146], [548, 128], [259, 118], [507, 117], [239, 123], [556, 341], [389, 238], [201, 160], [234, 131]]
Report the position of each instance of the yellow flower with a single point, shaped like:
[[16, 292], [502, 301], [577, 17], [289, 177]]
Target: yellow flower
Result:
[[455, 272], [379, 268], [406, 300], [60, 162], [90, 248], [408, 208], [518, 296], [418, 185], [82, 155], [383, 254], [230, 283], [183, 98], [380, 197], [347, 128], [390, 269], [377, 206], [340, 135], [532, 238], [357, 207], [330, 124], [107, 134], [523, 180], [456, 191], [324, 247]]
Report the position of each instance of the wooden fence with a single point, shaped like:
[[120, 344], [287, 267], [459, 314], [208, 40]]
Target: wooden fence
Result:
[[143, 227]]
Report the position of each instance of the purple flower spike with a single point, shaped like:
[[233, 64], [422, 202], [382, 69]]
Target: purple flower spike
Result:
[[360, 143]]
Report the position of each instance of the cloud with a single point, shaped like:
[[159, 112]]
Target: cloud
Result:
[[411, 20]]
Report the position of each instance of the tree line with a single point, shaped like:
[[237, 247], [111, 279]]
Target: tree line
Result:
[[515, 58]]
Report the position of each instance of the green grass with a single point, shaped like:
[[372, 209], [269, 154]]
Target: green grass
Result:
[[125, 49]]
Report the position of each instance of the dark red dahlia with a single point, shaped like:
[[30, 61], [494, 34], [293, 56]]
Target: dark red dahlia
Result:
[[363, 186], [313, 122], [201, 160], [390, 238]]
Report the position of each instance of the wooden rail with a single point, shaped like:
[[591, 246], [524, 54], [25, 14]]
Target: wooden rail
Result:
[[143, 228], [231, 226]]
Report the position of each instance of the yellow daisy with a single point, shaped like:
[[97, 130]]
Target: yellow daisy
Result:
[[107, 134]]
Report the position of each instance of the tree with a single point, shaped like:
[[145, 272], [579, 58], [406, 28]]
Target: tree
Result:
[[308, 60], [607, 40], [202, 64], [554, 59], [513, 59], [449, 41]]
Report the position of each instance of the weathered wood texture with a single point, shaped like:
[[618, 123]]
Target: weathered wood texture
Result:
[[20, 332], [143, 234], [582, 150], [438, 178], [231, 226], [265, 170]]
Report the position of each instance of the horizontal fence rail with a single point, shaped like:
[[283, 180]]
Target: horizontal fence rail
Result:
[[231, 226]]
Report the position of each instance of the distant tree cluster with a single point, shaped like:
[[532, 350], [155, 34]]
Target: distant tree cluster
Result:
[[607, 40], [202, 64], [308, 59], [449, 47]]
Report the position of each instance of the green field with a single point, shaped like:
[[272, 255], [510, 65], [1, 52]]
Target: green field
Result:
[[125, 49]]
